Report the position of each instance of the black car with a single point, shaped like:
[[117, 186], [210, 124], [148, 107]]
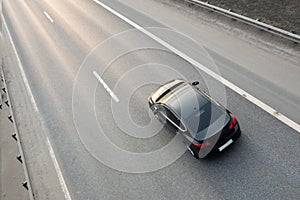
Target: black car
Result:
[[208, 127]]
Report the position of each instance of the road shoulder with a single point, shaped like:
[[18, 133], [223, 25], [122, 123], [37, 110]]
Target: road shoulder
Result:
[[44, 180]]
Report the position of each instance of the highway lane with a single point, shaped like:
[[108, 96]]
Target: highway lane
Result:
[[263, 163], [238, 58]]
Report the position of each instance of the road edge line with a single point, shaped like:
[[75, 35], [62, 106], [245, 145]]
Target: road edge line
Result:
[[54, 160], [25, 80], [58, 171]]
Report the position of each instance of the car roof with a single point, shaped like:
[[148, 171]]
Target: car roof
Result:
[[184, 99], [191, 105]]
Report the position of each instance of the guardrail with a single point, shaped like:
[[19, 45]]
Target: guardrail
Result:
[[277, 31]]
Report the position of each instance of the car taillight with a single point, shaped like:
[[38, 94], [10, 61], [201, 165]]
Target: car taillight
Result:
[[232, 122], [205, 144]]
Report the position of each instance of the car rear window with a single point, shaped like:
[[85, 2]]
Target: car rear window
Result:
[[203, 117]]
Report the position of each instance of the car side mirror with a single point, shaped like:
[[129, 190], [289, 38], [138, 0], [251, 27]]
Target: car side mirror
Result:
[[195, 83]]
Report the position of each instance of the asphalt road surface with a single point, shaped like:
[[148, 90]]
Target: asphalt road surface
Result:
[[80, 94]]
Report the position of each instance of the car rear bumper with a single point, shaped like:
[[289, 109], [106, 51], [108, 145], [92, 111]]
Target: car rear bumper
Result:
[[234, 136]]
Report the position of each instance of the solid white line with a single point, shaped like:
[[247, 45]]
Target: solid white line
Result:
[[106, 87], [58, 171], [21, 68], [227, 83], [48, 16]]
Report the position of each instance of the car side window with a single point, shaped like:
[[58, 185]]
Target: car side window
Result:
[[172, 118], [160, 112], [165, 115]]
